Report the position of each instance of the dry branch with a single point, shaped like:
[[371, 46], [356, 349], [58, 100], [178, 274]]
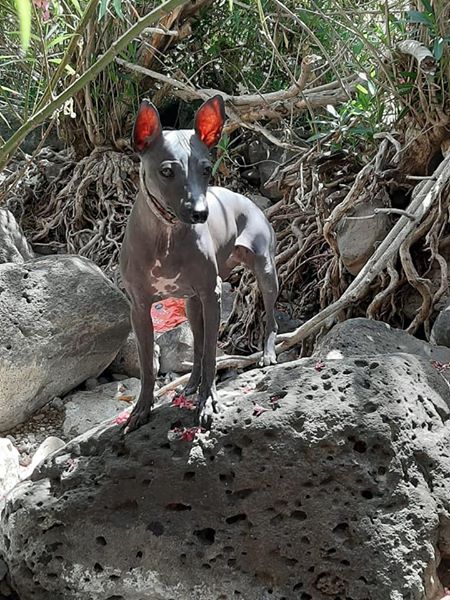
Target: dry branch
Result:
[[250, 108], [425, 59]]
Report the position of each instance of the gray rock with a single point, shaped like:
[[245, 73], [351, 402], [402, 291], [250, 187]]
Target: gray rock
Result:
[[285, 321], [440, 333], [57, 404], [261, 201], [91, 383], [85, 410], [119, 376], [176, 349], [127, 359], [13, 244], [357, 238], [341, 492], [227, 301], [63, 321], [9, 468], [365, 337]]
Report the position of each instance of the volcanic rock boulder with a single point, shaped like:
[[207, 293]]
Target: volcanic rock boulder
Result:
[[62, 322], [315, 482], [365, 337]]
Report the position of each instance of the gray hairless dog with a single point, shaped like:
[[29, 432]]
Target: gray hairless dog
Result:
[[182, 238]]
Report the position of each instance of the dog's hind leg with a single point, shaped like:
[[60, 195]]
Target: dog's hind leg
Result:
[[265, 272], [262, 265]]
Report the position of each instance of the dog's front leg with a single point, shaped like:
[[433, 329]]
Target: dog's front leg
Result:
[[143, 329], [207, 397]]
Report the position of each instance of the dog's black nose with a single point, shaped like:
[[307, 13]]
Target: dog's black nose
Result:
[[199, 216]]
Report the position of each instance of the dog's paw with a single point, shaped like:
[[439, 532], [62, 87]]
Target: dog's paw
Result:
[[138, 417], [206, 408], [268, 359]]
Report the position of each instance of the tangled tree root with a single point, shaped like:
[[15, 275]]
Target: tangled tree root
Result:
[[309, 263], [78, 208]]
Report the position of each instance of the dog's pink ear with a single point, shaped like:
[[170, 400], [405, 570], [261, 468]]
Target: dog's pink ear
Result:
[[147, 126], [209, 121]]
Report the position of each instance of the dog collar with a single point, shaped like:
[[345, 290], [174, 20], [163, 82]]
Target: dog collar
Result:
[[160, 212]]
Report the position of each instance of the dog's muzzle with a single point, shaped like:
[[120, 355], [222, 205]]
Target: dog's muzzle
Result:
[[199, 216]]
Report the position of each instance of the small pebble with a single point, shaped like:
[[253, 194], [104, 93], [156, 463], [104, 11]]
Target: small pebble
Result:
[[91, 383], [57, 404], [119, 376]]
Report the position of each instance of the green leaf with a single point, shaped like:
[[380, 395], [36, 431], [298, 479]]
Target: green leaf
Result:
[[77, 6], [362, 89], [415, 16], [58, 40], [216, 165], [427, 5], [438, 48], [23, 8], [372, 87], [118, 8], [9, 90], [68, 68], [102, 9], [317, 136]]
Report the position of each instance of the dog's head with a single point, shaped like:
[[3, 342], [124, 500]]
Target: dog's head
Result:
[[176, 164]]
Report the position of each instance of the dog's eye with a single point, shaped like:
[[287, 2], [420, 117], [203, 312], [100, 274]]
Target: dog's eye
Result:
[[207, 170], [166, 172]]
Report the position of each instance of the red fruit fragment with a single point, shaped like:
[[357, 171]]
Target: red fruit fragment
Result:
[[440, 366], [183, 402], [259, 410], [121, 418], [187, 434], [319, 366]]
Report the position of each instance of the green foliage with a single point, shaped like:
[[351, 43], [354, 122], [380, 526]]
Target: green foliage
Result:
[[239, 47], [23, 8]]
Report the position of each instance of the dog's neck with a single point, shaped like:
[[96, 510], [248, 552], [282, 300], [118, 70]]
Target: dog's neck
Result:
[[156, 207]]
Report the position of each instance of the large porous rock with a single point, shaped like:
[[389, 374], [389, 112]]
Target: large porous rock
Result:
[[357, 237], [13, 244], [312, 484], [62, 322], [364, 337]]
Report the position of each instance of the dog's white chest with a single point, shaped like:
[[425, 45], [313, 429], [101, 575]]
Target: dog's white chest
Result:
[[161, 283]]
